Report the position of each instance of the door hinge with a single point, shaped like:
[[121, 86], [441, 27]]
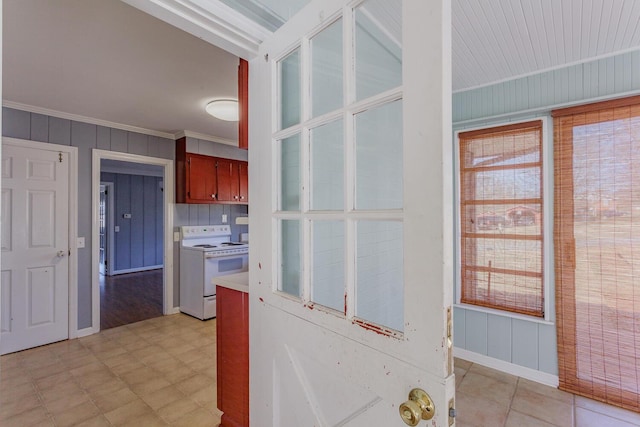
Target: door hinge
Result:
[[60, 156], [69, 251]]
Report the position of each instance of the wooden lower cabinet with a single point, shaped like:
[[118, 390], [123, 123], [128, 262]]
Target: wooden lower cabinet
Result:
[[232, 332]]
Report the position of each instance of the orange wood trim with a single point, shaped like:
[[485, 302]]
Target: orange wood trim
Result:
[[243, 104], [602, 105], [181, 168], [502, 202], [501, 129], [483, 269], [502, 236], [501, 168]]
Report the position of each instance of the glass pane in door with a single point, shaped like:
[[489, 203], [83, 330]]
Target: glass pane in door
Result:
[[290, 174], [327, 166], [379, 269], [290, 90], [379, 157], [378, 45], [290, 258], [328, 287], [326, 70]]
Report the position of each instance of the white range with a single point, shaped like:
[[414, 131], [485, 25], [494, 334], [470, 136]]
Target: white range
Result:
[[206, 251]]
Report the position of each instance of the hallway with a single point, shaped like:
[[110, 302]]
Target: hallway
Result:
[[130, 298]]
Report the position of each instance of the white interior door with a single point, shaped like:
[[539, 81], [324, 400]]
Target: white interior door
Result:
[[351, 215], [35, 247]]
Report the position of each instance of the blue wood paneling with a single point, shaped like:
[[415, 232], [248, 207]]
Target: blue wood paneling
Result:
[[118, 140], [476, 331], [547, 354], [524, 335], [122, 247], [150, 188], [103, 138], [459, 330], [203, 214], [499, 338], [16, 123], [137, 221], [137, 143], [159, 221], [59, 131], [181, 215], [39, 127], [602, 78]]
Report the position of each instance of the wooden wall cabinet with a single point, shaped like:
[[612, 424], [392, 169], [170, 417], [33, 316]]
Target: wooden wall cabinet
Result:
[[206, 179]]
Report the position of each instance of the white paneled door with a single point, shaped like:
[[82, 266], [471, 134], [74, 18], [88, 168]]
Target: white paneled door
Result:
[[35, 247], [351, 217]]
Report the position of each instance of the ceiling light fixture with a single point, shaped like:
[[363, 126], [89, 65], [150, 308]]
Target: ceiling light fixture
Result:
[[223, 109]]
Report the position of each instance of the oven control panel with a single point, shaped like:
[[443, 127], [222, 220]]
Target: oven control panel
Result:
[[195, 231]]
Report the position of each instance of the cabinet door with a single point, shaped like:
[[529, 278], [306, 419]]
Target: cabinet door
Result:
[[201, 179], [227, 180], [243, 171]]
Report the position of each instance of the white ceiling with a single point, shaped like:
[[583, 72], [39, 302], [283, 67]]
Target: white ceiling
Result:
[[108, 60]]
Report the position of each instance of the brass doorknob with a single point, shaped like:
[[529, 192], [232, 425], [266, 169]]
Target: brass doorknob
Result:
[[418, 407]]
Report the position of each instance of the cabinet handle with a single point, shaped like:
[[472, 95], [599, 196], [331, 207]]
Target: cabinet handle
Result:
[[241, 197], [213, 196], [235, 197]]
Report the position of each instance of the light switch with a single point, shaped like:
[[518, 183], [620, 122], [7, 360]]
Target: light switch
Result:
[[116, 229], [80, 242], [126, 216], [176, 236], [224, 218]]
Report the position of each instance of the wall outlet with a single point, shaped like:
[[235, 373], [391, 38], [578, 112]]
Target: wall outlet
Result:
[[224, 218], [116, 229], [176, 236], [80, 242]]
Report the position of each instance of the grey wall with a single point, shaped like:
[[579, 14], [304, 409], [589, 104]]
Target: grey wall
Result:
[[139, 243], [519, 341], [38, 127]]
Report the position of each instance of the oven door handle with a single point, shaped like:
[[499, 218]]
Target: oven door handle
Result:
[[207, 256]]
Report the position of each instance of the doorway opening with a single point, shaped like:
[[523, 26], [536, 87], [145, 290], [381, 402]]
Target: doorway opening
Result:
[[132, 250]]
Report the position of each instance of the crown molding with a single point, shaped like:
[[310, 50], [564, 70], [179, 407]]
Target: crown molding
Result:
[[209, 20], [196, 135], [84, 119]]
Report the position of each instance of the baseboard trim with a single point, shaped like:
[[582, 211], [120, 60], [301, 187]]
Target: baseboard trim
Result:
[[174, 310], [136, 270], [86, 332], [509, 368]]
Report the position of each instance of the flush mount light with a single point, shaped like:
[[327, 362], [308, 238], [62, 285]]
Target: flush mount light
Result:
[[223, 109]]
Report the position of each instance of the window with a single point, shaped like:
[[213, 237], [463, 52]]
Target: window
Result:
[[597, 236], [339, 169], [501, 218]]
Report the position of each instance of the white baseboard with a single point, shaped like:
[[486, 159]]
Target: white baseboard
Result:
[[86, 332], [174, 310], [509, 368], [136, 270]]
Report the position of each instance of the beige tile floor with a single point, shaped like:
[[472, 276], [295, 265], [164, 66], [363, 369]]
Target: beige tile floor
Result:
[[487, 398], [162, 372], [157, 372]]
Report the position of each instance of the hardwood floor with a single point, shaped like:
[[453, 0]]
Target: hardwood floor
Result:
[[129, 298]]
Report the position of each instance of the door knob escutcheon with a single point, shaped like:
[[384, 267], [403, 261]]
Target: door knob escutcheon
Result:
[[418, 407]]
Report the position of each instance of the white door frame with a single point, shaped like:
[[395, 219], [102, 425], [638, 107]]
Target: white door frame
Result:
[[168, 203], [73, 220]]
